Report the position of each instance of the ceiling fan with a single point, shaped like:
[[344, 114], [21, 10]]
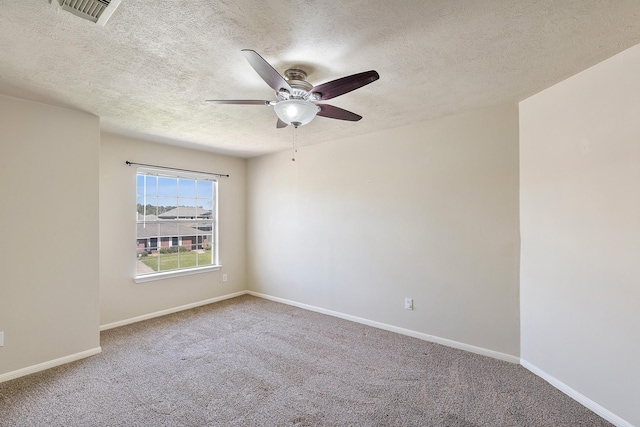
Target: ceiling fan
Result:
[[296, 99]]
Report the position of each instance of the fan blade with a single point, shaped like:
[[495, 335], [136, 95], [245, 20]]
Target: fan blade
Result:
[[281, 124], [345, 84], [238, 101], [266, 71], [332, 112]]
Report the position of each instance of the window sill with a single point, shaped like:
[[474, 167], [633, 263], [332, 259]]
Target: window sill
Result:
[[175, 273]]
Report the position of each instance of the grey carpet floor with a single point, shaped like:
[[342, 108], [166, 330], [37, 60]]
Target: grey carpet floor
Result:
[[252, 362]]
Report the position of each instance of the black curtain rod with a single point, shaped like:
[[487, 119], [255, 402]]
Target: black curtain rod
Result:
[[176, 169]]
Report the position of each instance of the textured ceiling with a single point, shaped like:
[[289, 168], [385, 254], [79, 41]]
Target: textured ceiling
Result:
[[147, 72]]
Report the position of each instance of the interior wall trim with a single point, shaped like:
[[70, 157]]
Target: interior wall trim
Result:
[[49, 364], [577, 396], [426, 337], [169, 311]]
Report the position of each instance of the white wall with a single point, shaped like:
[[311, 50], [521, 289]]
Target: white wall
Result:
[[580, 219], [120, 297], [428, 211], [49, 228]]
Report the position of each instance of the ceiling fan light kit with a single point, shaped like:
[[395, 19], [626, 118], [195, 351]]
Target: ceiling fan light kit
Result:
[[296, 112], [296, 97]]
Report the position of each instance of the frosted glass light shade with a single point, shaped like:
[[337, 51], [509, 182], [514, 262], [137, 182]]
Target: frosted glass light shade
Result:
[[296, 112]]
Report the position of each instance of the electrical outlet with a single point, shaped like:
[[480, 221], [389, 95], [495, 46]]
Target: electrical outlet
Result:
[[224, 277], [408, 304], [1, 339]]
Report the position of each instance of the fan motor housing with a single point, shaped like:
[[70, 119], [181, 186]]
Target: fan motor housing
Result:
[[297, 80]]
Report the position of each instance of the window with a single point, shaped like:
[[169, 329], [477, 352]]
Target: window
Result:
[[176, 230]]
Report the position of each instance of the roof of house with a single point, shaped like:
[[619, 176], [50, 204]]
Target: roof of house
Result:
[[165, 229], [146, 217], [186, 212]]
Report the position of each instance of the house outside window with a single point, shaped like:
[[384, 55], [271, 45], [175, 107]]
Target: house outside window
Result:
[[176, 223]]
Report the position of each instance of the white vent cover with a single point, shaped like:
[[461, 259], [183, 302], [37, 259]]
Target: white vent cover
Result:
[[98, 11]]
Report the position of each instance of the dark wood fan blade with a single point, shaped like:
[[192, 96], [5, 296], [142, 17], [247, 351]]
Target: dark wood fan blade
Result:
[[345, 84], [238, 101], [332, 112], [281, 124], [266, 71]]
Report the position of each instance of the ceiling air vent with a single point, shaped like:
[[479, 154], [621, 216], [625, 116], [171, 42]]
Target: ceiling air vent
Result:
[[98, 11]]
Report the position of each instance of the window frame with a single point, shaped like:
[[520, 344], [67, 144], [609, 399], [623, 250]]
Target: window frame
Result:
[[214, 220]]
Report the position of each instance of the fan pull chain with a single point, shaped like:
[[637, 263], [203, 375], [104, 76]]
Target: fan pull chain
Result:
[[295, 144]]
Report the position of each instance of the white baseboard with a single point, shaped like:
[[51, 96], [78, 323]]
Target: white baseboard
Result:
[[169, 311], [403, 331], [50, 364], [580, 398], [77, 356]]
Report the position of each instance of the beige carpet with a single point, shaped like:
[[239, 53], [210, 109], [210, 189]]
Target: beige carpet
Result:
[[252, 362]]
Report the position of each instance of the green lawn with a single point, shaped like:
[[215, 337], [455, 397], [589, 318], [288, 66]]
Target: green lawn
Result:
[[170, 261]]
